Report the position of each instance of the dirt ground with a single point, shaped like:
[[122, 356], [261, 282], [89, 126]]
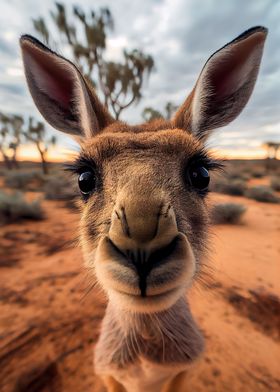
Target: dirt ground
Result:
[[49, 317]]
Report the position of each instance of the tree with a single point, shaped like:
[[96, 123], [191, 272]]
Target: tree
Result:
[[4, 132], [120, 83], [150, 113], [10, 138], [16, 122], [170, 108], [272, 149], [36, 133]]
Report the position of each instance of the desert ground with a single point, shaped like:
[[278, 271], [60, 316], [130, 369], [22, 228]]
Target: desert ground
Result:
[[50, 314]]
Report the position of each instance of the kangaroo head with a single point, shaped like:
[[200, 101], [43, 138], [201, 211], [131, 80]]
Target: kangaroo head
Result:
[[143, 188]]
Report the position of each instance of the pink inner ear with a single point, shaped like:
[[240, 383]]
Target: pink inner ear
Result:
[[232, 67], [52, 77], [229, 76]]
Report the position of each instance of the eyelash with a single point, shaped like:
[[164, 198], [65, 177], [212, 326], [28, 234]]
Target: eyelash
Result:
[[79, 166], [209, 163]]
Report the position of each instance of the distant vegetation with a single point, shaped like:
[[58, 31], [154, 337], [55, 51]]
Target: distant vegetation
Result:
[[14, 207], [15, 130], [272, 149], [25, 180], [230, 186], [227, 213], [10, 138], [262, 193], [37, 135], [275, 183], [150, 113], [57, 185], [60, 188]]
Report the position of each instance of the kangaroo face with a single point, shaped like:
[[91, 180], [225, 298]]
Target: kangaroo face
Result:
[[144, 223], [143, 188]]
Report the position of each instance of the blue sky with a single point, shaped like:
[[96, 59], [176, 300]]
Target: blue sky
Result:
[[180, 35]]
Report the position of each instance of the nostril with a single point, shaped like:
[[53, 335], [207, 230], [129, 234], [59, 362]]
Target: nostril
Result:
[[140, 256], [160, 256], [118, 250], [134, 256], [137, 256]]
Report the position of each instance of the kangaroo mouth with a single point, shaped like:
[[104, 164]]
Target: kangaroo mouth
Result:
[[144, 262], [145, 278]]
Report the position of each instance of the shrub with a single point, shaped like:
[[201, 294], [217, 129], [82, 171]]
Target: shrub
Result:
[[232, 187], [60, 188], [13, 207], [241, 176], [275, 183], [31, 180], [257, 173], [227, 213], [262, 193]]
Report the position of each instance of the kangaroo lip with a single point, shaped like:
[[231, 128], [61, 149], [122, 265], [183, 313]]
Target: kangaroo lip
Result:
[[171, 270], [154, 296], [145, 263]]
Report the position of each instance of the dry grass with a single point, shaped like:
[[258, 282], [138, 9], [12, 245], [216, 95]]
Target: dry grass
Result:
[[257, 173], [275, 183], [13, 208], [227, 213], [25, 180], [60, 188], [262, 193], [233, 187]]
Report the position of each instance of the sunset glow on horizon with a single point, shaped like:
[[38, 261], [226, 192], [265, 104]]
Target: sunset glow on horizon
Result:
[[61, 154]]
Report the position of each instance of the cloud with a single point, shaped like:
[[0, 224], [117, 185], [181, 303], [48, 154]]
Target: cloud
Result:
[[6, 48], [12, 88]]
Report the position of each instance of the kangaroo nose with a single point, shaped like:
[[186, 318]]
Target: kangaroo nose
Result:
[[143, 227]]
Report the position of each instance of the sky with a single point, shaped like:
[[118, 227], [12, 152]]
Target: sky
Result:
[[180, 35]]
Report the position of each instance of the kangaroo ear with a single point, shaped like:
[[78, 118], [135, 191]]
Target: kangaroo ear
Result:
[[64, 98], [224, 86]]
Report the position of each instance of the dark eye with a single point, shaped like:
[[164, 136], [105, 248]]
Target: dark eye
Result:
[[87, 182], [199, 177]]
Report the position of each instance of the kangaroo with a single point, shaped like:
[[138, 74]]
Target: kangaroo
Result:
[[144, 217]]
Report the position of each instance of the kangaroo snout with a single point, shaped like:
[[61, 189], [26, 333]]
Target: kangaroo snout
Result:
[[142, 227], [144, 251]]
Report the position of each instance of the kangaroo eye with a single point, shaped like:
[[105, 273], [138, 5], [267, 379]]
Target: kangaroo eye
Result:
[[87, 182], [199, 177]]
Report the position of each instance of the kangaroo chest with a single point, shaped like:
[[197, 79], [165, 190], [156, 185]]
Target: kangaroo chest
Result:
[[144, 375], [146, 350]]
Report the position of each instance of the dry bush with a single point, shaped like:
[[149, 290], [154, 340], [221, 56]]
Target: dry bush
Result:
[[234, 187], [29, 180], [13, 208], [2, 172], [262, 193], [60, 188], [257, 173], [242, 176], [227, 213], [275, 183]]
